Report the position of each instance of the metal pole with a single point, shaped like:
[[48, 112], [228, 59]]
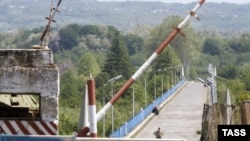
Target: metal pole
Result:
[[133, 103], [50, 20], [175, 70], [112, 80], [172, 77], [148, 62], [161, 73], [154, 86], [103, 100], [161, 83], [145, 90], [112, 108]]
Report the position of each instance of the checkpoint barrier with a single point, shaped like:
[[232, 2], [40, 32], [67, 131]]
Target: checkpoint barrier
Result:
[[131, 124]]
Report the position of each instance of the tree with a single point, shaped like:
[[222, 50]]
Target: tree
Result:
[[166, 59], [71, 88], [241, 44], [187, 49], [89, 29], [212, 47], [69, 36], [229, 72], [134, 43], [245, 76], [88, 65], [117, 60]]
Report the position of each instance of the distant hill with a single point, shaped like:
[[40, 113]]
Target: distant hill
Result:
[[123, 15]]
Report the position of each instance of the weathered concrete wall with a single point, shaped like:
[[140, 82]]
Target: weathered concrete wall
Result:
[[31, 71]]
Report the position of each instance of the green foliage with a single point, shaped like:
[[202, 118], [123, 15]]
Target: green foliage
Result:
[[69, 36], [117, 60], [166, 59], [241, 44], [212, 47], [67, 122], [72, 89], [218, 46], [101, 50], [187, 49], [88, 65], [245, 76], [89, 29], [229, 72], [134, 43]]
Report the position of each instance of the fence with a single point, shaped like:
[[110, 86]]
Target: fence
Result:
[[144, 113]]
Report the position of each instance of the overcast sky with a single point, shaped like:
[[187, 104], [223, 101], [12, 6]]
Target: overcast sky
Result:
[[187, 1]]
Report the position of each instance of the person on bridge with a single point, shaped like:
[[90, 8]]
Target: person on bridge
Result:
[[158, 134], [155, 110]]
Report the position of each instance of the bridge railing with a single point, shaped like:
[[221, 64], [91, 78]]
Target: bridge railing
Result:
[[128, 126], [71, 138]]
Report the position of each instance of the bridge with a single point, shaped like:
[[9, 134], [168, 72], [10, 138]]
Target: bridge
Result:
[[180, 117]]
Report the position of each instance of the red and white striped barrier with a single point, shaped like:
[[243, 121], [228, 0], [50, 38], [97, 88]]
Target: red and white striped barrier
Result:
[[24, 127]]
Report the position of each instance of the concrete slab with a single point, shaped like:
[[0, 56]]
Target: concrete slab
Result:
[[181, 117]]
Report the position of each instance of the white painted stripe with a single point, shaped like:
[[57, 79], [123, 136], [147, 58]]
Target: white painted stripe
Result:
[[196, 7], [45, 132], [180, 26], [16, 127], [5, 128], [29, 128], [144, 66], [92, 119], [102, 112], [51, 127]]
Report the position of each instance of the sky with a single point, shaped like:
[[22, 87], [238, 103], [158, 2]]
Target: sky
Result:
[[188, 1]]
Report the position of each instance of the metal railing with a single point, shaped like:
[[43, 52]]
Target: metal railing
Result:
[[130, 125], [71, 138]]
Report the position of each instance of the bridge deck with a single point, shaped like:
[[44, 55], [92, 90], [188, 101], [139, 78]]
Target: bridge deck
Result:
[[181, 117]]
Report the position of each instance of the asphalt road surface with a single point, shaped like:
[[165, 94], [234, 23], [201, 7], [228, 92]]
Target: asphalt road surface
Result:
[[181, 117]]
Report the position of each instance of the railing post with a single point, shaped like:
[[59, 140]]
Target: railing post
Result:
[[142, 113], [126, 127]]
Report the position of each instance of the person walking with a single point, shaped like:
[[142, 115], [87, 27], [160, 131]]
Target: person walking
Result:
[[158, 134]]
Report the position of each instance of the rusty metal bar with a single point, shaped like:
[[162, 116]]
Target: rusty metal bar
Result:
[[50, 19]]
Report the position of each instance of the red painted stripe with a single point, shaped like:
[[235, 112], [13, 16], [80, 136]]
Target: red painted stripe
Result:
[[83, 132], [47, 128], [12, 130], [91, 93], [201, 2], [36, 128], [93, 135], [54, 125], [23, 129], [122, 91]]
